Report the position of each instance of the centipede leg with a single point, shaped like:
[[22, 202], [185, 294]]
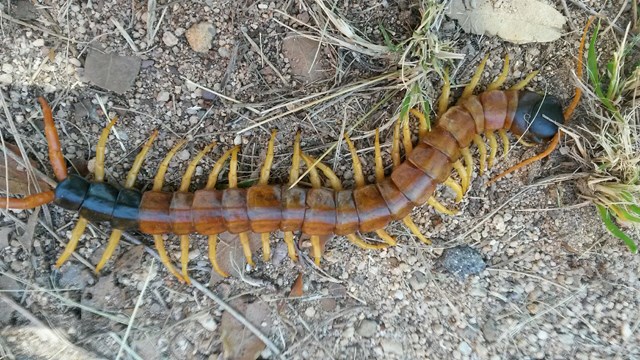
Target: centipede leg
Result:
[[164, 258], [100, 150], [468, 90], [76, 234], [406, 137], [408, 222], [28, 202], [439, 207], [482, 149], [505, 142], [213, 243], [443, 100], [264, 180], [386, 237], [246, 248], [53, 141], [423, 122], [112, 244], [462, 173], [294, 173], [356, 240], [378, 158], [316, 249], [522, 83], [502, 77], [291, 246], [184, 257], [493, 145], [266, 246], [453, 185], [468, 161]]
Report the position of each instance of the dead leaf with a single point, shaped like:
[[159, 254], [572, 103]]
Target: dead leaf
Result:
[[238, 342], [111, 71], [16, 175], [230, 255], [301, 52], [297, 289], [517, 21]]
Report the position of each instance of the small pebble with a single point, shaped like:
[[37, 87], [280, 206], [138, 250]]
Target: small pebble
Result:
[[200, 36], [464, 348], [392, 347], [367, 328], [169, 39], [6, 79], [163, 96], [310, 312], [463, 261], [38, 43], [8, 68]]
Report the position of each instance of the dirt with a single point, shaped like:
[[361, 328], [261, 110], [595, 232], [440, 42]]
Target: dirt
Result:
[[556, 284]]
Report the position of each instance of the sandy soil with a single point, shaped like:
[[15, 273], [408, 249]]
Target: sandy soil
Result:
[[556, 285]]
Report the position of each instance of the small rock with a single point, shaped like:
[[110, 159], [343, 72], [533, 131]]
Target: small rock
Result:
[[310, 312], [263, 6], [367, 328], [392, 347], [224, 52], [147, 63], [542, 335], [183, 155], [8, 68], [200, 36], [6, 79], [418, 281], [626, 331], [208, 322], [328, 304], [169, 39], [566, 339], [38, 43], [75, 62], [490, 330], [163, 96], [464, 348], [463, 261]]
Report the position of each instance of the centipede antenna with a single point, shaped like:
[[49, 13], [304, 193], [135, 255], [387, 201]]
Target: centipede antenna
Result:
[[266, 246], [191, 168], [294, 173], [443, 100], [384, 235], [356, 240], [116, 234], [453, 185], [408, 222], [266, 167], [291, 247], [439, 207], [213, 243], [76, 233], [137, 163], [164, 165], [462, 173], [53, 141], [164, 258], [497, 83], [184, 257], [100, 150], [482, 150], [406, 137], [423, 123], [505, 142], [378, 158], [217, 168], [358, 174], [395, 145], [468, 161], [524, 82], [334, 181], [28, 202], [475, 79], [493, 145]]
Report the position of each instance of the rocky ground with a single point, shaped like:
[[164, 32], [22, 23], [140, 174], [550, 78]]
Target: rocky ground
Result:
[[525, 270]]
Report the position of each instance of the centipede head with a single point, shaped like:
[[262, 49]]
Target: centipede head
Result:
[[537, 117]]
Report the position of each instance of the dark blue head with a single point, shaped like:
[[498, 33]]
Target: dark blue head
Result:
[[537, 116]]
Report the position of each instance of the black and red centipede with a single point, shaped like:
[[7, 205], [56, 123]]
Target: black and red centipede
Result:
[[317, 210]]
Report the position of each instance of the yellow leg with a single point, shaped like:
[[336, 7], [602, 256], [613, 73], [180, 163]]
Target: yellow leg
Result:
[[462, 172], [137, 163], [291, 247], [191, 168], [164, 165], [468, 161], [333, 178], [213, 243], [505, 142], [184, 257], [114, 239], [358, 175], [315, 248], [100, 150], [423, 123], [503, 75], [378, 158], [76, 234], [520, 85], [390, 240], [395, 146], [164, 258], [266, 168], [246, 248], [406, 137], [266, 246], [482, 149], [468, 90], [443, 100], [294, 173], [493, 145], [314, 177], [439, 207], [356, 240], [233, 168], [453, 185], [414, 229], [217, 167]]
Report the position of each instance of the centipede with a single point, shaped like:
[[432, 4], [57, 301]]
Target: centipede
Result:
[[316, 210]]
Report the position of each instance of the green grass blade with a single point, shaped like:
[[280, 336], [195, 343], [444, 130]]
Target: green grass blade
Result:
[[615, 230], [625, 214], [592, 63], [387, 39]]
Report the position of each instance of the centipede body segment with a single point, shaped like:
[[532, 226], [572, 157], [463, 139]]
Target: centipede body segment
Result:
[[317, 210]]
